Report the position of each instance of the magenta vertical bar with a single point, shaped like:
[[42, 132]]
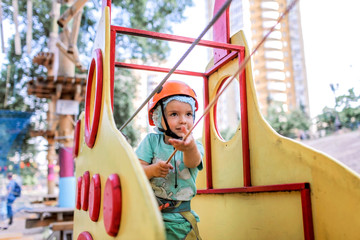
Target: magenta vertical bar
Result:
[[66, 162], [221, 30]]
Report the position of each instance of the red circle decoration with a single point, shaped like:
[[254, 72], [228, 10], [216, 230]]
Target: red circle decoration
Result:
[[76, 138], [91, 128], [94, 197], [85, 236], [78, 193], [85, 191], [112, 205]]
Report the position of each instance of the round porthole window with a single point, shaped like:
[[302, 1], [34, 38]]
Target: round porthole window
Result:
[[227, 110], [93, 98]]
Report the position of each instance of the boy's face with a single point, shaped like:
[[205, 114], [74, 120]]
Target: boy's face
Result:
[[178, 114]]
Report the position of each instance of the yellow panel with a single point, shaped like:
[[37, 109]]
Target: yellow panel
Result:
[[226, 155], [250, 216], [140, 218], [335, 189]]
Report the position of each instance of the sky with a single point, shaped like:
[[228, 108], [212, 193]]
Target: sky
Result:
[[332, 49], [331, 46]]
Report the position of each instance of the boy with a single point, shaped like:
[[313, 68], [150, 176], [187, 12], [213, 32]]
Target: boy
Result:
[[10, 197], [172, 111]]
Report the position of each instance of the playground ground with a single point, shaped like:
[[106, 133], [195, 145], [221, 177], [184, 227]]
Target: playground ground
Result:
[[343, 146], [17, 230]]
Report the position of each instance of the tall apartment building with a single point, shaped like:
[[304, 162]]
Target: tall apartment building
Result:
[[278, 66]]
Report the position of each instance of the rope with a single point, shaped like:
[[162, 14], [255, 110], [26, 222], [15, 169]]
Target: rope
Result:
[[240, 69], [197, 40]]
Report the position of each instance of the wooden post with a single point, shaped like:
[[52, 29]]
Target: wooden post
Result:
[[29, 27], [74, 57], [50, 136], [66, 65], [51, 157], [75, 31], [70, 12], [17, 34]]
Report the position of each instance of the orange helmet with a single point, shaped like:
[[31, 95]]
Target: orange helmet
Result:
[[170, 88]]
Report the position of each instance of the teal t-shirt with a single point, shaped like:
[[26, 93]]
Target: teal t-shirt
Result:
[[153, 149]]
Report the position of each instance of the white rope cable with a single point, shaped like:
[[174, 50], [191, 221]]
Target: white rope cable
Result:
[[197, 40], [238, 71]]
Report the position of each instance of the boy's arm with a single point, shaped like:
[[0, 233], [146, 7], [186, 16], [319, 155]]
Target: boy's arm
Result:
[[159, 169], [192, 156]]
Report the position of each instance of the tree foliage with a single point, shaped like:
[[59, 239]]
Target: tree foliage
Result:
[[345, 114], [326, 120], [152, 15], [288, 124]]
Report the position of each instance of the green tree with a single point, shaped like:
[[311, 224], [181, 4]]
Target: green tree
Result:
[[152, 15], [326, 120], [345, 114], [288, 124], [350, 109]]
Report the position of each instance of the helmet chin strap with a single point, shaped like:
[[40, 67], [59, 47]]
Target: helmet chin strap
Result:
[[168, 131]]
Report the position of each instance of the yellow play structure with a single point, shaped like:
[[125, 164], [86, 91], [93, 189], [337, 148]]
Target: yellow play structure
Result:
[[257, 185]]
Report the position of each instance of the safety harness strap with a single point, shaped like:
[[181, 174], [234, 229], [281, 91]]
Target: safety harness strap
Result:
[[171, 206], [182, 207], [168, 131], [194, 232]]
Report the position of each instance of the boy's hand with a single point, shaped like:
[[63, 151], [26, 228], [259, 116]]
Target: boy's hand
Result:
[[161, 169], [183, 145], [192, 157]]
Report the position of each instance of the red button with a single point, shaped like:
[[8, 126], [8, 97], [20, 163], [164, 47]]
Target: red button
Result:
[[85, 191], [94, 197], [78, 193], [85, 236], [112, 205]]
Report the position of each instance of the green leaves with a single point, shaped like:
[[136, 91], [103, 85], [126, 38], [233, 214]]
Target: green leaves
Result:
[[150, 15], [345, 114], [289, 124]]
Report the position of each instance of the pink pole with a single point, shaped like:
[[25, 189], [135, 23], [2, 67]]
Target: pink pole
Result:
[[66, 162]]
